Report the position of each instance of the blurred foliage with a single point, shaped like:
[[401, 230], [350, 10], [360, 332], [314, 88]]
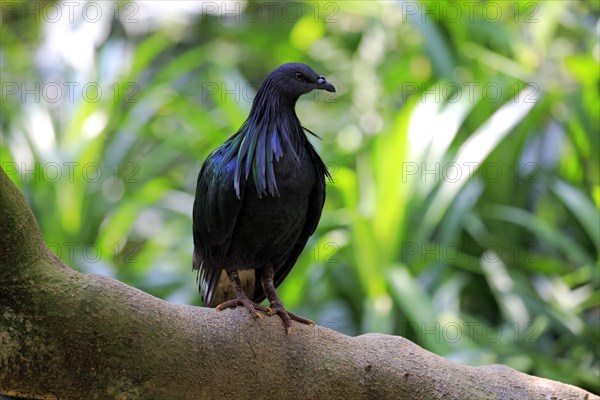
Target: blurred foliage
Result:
[[463, 143]]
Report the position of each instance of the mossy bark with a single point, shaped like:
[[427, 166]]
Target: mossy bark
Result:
[[67, 335]]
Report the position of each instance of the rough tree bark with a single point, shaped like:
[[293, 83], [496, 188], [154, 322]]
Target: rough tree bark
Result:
[[68, 335]]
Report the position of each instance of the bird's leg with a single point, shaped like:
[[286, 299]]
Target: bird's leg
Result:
[[276, 305], [241, 298]]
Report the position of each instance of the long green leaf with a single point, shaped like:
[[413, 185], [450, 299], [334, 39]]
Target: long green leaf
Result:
[[472, 153]]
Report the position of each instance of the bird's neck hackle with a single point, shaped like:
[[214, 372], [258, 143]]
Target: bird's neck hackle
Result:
[[272, 131], [273, 113], [271, 102]]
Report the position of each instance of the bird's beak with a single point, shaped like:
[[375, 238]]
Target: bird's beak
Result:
[[324, 85]]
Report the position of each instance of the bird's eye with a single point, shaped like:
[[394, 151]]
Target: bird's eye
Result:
[[299, 76]]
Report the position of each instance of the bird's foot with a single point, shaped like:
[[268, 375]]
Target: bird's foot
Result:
[[286, 316], [248, 304]]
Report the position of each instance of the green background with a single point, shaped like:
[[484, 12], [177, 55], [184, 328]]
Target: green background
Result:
[[463, 142]]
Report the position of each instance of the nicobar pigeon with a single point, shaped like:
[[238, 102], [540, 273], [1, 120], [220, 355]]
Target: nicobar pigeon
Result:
[[259, 197]]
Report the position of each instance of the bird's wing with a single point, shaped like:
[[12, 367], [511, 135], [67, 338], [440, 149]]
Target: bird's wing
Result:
[[316, 201], [216, 208]]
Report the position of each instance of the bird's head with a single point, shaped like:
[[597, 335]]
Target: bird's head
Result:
[[295, 79]]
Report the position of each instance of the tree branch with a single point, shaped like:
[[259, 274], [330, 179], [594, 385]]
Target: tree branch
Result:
[[69, 335]]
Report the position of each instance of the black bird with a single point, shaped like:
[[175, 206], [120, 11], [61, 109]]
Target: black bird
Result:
[[259, 197]]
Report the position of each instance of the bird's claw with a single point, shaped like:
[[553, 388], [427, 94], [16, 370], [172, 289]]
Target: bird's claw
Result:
[[287, 317], [249, 305]]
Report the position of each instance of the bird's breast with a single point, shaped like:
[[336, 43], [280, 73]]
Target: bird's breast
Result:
[[268, 227], [296, 177]]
